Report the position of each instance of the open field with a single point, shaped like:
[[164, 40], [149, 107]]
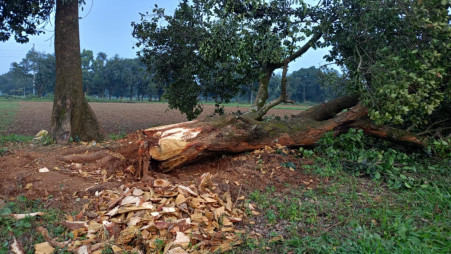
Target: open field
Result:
[[115, 118]]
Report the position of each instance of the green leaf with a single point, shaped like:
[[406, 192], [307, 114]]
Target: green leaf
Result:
[[377, 176], [5, 211]]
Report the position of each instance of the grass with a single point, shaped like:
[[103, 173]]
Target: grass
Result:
[[119, 135], [24, 230], [351, 214], [8, 110]]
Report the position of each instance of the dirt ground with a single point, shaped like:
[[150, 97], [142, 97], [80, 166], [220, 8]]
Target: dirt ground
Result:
[[70, 185], [114, 117]]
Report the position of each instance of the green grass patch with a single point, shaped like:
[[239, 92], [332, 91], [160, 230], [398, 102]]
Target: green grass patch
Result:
[[14, 138], [118, 136], [8, 110], [375, 199], [24, 230], [354, 215]]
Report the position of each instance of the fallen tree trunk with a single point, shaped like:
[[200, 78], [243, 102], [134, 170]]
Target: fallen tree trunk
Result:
[[167, 147]]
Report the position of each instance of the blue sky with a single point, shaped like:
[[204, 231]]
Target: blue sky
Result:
[[105, 27]]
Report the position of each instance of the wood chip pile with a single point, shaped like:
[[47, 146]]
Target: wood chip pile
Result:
[[161, 217]]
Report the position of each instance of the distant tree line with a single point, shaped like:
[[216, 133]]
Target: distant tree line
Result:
[[123, 78]]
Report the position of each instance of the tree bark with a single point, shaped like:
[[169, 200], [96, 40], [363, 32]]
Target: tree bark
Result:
[[171, 146], [71, 116], [262, 93], [260, 110]]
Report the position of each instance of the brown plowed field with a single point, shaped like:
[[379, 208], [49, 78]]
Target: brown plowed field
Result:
[[114, 117]]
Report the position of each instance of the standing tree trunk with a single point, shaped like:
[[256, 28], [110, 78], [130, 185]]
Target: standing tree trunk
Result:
[[71, 116]]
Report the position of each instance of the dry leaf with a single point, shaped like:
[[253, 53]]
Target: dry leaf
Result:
[[127, 235], [205, 182], [226, 222], [161, 183], [138, 192], [180, 199], [151, 214], [168, 209], [93, 227], [255, 213], [74, 225], [186, 190], [83, 250], [219, 212], [177, 250], [235, 219], [117, 249], [276, 239], [133, 221], [43, 248], [182, 240], [131, 200]]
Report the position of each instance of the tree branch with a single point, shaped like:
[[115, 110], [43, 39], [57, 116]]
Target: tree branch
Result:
[[282, 98], [302, 50]]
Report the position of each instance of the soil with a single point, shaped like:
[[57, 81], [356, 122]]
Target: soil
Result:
[[70, 185]]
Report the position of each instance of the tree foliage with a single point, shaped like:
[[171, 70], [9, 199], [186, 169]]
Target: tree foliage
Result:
[[397, 55], [23, 18], [36, 68], [217, 46], [173, 53]]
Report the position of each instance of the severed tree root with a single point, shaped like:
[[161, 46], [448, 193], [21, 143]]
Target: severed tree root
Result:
[[101, 156], [51, 241]]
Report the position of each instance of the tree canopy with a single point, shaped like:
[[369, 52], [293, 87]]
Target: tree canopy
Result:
[[23, 18], [226, 44], [390, 51], [397, 55]]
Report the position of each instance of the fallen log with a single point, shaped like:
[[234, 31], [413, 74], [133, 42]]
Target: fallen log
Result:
[[175, 145], [167, 147]]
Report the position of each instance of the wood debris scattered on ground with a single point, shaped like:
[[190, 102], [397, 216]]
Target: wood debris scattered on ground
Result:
[[155, 215]]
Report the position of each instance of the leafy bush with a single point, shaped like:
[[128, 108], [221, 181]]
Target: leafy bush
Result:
[[357, 154]]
